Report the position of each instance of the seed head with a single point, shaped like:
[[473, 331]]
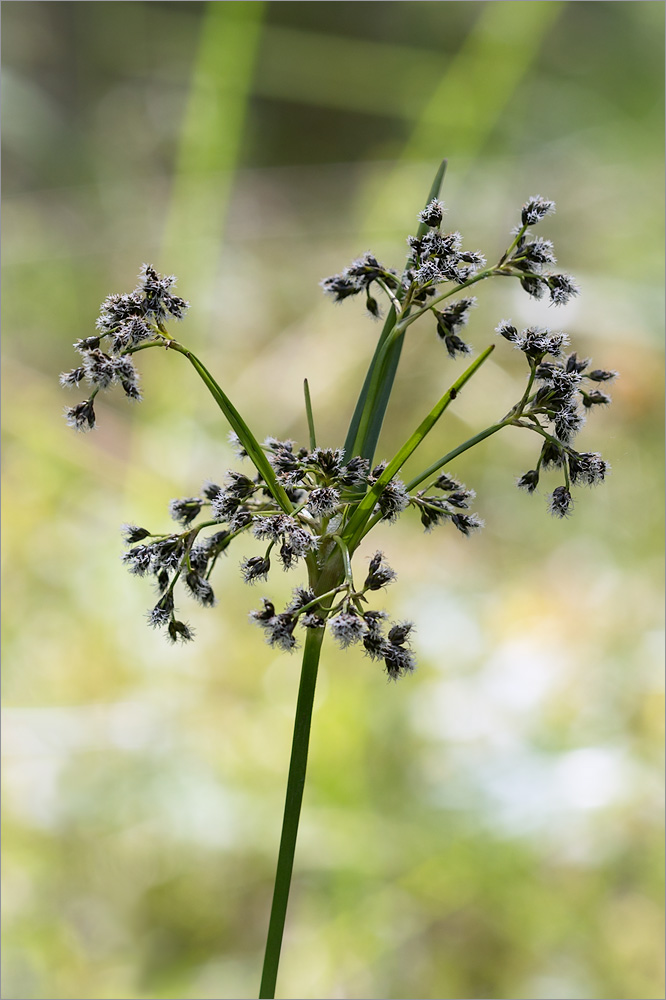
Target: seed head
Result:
[[162, 613], [81, 416], [433, 213], [587, 467], [255, 568], [535, 209], [347, 627], [562, 287], [323, 501], [179, 631], [399, 660], [560, 502], [538, 252], [379, 573], [393, 500], [132, 533], [184, 511], [467, 523], [596, 398], [200, 589], [529, 481]]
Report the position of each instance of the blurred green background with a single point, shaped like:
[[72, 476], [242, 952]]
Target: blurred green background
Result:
[[490, 827]]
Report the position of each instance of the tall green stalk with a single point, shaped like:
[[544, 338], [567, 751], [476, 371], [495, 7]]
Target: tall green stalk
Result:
[[292, 810], [323, 580]]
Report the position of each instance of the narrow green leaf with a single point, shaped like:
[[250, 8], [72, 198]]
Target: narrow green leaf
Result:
[[350, 442], [246, 437], [388, 371], [353, 531]]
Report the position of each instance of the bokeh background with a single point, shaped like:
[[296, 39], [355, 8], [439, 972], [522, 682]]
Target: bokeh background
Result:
[[490, 827]]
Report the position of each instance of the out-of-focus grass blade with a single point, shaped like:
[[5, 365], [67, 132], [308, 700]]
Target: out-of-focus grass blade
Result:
[[353, 532], [206, 161], [210, 140], [365, 443], [505, 36]]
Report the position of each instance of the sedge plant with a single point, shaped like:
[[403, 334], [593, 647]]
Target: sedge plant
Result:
[[312, 505]]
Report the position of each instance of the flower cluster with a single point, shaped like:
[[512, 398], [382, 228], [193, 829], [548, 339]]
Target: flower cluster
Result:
[[348, 622], [125, 323], [528, 258], [435, 258], [453, 499], [560, 400], [312, 506], [322, 487], [562, 397], [169, 558], [358, 277]]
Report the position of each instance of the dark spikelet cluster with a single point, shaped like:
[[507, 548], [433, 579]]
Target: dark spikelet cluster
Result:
[[358, 278], [562, 395], [394, 497], [380, 641], [449, 321], [556, 411], [448, 504], [125, 323], [529, 258], [436, 258], [348, 622], [187, 556], [322, 485]]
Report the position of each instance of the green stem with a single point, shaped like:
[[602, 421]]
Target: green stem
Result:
[[511, 418], [345, 559], [408, 320], [388, 347], [518, 409], [292, 810], [518, 237], [318, 600], [387, 291], [436, 466]]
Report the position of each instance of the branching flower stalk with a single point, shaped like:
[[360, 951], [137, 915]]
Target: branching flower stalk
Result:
[[315, 504]]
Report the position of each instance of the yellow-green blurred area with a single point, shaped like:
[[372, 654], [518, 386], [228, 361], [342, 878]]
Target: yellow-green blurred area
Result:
[[490, 826]]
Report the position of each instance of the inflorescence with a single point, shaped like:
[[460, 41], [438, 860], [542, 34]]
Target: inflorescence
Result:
[[125, 323], [324, 486]]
